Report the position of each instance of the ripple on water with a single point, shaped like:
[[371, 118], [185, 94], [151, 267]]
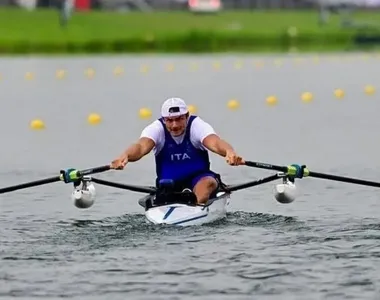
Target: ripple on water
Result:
[[244, 254]]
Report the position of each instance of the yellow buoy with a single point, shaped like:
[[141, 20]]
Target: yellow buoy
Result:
[[170, 68], [369, 89], [216, 65], [89, 73], [144, 69], [233, 104], [145, 113], [307, 97], [271, 100], [37, 124], [192, 109], [339, 93], [29, 76], [118, 71], [60, 74], [94, 119]]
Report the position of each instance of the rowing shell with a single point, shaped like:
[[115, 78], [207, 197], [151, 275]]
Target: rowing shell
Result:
[[186, 215], [181, 208]]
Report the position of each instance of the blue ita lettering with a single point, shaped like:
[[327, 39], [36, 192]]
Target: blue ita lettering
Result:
[[179, 156]]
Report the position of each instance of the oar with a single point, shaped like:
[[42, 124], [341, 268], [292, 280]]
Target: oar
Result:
[[292, 171], [241, 186], [134, 188], [73, 175], [237, 187]]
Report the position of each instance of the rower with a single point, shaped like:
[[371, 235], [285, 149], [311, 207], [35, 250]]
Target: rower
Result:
[[181, 143]]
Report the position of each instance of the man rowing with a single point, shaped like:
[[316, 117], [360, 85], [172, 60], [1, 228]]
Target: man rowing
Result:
[[181, 143]]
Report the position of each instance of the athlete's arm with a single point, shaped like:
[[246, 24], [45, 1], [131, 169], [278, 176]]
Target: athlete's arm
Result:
[[205, 137], [221, 147], [139, 149], [150, 137], [217, 145]]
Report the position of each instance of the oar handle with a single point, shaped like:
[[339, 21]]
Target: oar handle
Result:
[[266, 166], [94, 170]]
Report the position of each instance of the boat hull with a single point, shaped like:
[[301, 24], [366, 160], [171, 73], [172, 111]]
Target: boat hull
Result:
[[186, 215]]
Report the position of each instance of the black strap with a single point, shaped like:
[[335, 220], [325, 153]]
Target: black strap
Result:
[[222, 186]]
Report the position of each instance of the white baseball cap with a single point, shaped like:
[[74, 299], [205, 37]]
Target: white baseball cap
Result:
[[173, 107]]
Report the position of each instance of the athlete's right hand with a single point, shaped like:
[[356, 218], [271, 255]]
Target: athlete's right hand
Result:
[[119, 163], [233, 159]]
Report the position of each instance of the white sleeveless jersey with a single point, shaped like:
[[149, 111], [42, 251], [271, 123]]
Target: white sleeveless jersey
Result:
[[198, 132]]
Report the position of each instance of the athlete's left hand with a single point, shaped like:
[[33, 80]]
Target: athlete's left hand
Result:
[[233, 159]]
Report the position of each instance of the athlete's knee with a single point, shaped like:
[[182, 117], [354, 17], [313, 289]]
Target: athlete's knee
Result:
[[212, 184], [204, 189], [206, 184]]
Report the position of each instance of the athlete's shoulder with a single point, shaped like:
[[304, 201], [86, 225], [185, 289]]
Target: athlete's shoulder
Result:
[[200, 129], [153, 131], [198, 122]]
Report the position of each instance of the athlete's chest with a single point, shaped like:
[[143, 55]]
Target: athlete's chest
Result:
[[184, 146], [183, 151]]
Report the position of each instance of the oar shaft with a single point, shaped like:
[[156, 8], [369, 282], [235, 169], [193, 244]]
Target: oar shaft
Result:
[[249, 184], [29, 184], [133, 188], [52, 179], [314, 174], [344, 179]]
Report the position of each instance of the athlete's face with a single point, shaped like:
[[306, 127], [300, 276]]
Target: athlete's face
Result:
[[176, 125]]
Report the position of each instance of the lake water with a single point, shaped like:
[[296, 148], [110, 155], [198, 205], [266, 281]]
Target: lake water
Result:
[[325, 245]]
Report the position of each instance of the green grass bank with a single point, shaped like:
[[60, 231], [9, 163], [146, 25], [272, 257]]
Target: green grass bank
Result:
[[39, 32]]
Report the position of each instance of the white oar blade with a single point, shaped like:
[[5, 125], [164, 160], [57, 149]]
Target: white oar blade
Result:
[[286, 192], [84, 197]]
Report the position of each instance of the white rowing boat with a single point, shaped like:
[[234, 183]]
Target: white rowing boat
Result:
[[180, 208], [185, 215], [172, 209], [163, 206]]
